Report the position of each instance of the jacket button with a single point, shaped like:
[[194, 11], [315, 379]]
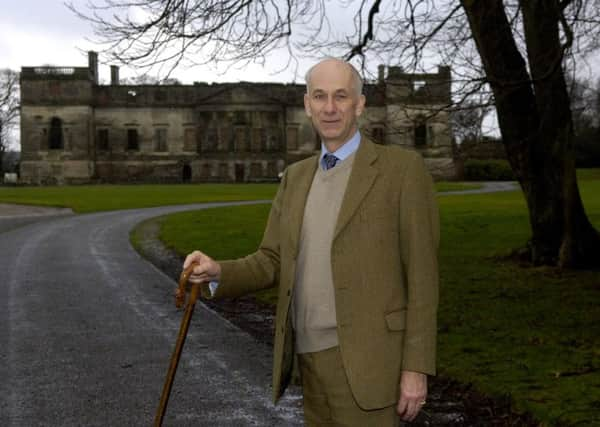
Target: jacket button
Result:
[[288, 293]]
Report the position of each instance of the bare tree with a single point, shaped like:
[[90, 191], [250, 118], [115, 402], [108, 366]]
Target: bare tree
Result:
[[535, 119], [516, 50], [9, 108], [467, 120]]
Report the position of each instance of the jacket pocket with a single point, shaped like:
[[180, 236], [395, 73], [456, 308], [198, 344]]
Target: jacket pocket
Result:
[[396, 320]]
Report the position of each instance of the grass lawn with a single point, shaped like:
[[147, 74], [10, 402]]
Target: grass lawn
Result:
[[92, 198], [531, 333]]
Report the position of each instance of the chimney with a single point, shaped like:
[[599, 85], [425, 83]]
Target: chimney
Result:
[[93, 66], [445, 78], [380, 73], [114, 75]]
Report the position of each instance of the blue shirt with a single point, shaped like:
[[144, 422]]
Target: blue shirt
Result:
[[343, 152]]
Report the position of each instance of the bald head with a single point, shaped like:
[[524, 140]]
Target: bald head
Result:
[[337, 66], [333, 101]]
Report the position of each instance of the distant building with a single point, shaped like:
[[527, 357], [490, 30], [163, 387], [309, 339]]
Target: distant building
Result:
[[74, 130]]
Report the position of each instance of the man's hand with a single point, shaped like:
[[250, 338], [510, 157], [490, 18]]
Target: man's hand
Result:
[[206, 268], [413, 391]]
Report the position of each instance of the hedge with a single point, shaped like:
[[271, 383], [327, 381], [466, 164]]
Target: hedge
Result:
[[488, 170]]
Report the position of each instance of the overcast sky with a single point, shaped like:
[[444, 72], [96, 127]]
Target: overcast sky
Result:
[[45, 32]]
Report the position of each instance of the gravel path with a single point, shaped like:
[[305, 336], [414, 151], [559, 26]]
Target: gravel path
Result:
[[487, 187]]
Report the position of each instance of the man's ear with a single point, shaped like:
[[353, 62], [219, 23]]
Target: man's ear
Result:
[[360, 106], [307, 105]]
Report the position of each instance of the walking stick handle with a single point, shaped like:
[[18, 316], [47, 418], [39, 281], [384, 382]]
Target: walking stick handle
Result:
[[180, 291], [185, 322]]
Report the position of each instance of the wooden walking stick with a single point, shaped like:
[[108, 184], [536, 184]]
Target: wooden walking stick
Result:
[[185, 323]]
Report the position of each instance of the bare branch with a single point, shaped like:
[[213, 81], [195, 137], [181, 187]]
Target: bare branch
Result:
[[9, 105], [368, 36]]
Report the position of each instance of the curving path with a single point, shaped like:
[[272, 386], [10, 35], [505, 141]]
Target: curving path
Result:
[[87, 328], [486, 187]]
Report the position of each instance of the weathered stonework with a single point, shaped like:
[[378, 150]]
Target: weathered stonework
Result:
[[74, 130]]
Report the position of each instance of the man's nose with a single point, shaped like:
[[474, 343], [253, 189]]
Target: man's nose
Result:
[[330, 106]]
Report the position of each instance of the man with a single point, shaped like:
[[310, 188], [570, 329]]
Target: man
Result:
[[351, 241]]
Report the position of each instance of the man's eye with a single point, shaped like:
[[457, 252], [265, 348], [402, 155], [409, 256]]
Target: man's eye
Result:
[[341, 96], [318, 96]]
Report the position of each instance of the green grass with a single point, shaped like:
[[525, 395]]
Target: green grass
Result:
[[587, 174], [531, 333], [92, 198], [230, 233], [221, 233]]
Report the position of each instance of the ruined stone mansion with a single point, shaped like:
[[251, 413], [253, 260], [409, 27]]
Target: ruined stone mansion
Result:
[[75, 130]]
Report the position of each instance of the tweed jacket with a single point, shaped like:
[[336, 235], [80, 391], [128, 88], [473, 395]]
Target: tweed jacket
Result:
[[384, 267]]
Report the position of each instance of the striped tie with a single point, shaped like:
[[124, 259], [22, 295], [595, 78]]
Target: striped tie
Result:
[[330, 160]]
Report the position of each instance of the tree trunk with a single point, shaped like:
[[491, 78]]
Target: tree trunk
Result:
[[536, 125], [2, 149]]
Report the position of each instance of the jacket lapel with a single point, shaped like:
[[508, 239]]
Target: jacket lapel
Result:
[[359, 183], [300, 191]]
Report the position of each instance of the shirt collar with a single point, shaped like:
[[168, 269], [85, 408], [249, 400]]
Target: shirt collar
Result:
[[345, 151]]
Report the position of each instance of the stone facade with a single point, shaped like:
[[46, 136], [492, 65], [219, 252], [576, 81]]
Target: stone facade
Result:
[[74, 130]]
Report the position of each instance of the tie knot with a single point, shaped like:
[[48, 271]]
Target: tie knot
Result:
[[330, 160]]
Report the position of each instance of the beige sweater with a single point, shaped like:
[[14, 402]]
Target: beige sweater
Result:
[[313, 308]]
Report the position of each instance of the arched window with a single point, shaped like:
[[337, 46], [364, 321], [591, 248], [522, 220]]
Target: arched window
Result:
[[132, 139], [102, 140], [420, 132], [55, 136], [187, 173]]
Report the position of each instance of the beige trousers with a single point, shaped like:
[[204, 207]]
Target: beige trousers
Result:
[[328, 400]]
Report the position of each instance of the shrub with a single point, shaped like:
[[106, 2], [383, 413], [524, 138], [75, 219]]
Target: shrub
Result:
[[587, 148], [488, 170]]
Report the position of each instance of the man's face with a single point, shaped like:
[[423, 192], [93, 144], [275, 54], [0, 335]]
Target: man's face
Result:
[[333, 103]]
